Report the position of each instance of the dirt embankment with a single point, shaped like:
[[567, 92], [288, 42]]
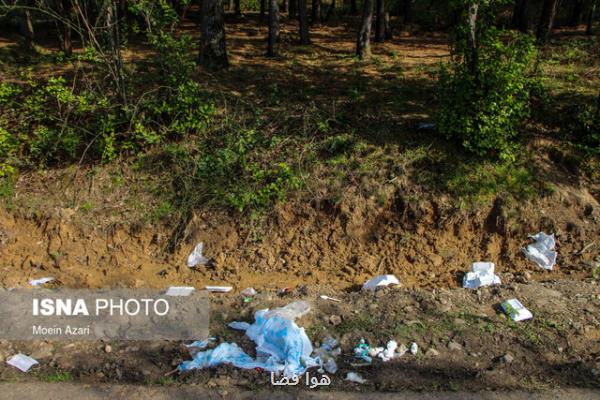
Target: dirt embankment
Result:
[[426, 242]]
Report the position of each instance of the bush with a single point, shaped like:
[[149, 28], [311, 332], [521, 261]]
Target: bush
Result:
[[589, 126], [484, 109]]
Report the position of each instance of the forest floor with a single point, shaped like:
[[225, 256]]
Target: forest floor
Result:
[[378, 196]]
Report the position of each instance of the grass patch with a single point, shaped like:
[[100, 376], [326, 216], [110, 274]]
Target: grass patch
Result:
[[58, 377]]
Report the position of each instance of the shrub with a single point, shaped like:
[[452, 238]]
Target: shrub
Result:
[[483, 109]]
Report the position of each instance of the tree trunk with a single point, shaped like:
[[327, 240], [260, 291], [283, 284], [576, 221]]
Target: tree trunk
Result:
[[293, 8], [363, 45], [473, 58], [273, 28], [330, 10], [66, 44], [213, 53], [380, 22], [389, 35], [353, 7], [591, 16], [26, 28], [231, 6], [546, 20], [303, 22], [519, 19], [407, 11], [263, 6], [576, 13], [285, 7], [316, 12], [238, 8]]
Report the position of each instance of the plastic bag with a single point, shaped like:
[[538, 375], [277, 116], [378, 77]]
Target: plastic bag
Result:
[[482, 274], [381, 281], [196, 257], [542, 251]]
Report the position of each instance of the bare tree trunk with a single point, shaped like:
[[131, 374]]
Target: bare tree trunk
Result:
[[576, 13], [380, 22], [363, 42], [353, 7], [303, 22], [549, 9], [519, 19], [213, 53], [263, 6], [238, 8], [591, 16], [231, 6], [389, 34], [26, 27], [473, 59], [273, 28], [66, 43], [407, 11], [330, 10], [293, 9], [316, 12], [285, 7]]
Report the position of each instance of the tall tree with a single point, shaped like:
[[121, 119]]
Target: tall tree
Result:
[[285, 7], [213, 52], [353, 7], [303, 22], [519, 18], [273, 38], [26, 26], [363, 42], [549, 9], [238, 8], [380, 22], [316, 12], [407, 11], [263, 6], [591, 16], [65, 11], [473, 58], [330, 10], [576, 13], [293, 9]]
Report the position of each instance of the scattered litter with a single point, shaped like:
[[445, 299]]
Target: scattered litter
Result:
[[240, 326], [201, 344], [542, 251], [401, 350], [196, 257], [281, 346], [426, 125], [247, 299], [413, 348], [362, 351], [179, 291], [381, 281], [22, 362], [356, 378], [219, 289], [482, 274], [389, 352], [324, 297], [284, 291], [331, 366], [515, 310], [248, 292], [41, 281]]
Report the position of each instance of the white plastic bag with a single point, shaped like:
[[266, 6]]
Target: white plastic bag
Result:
[[22, 362], [482, 274], [542, 251], [196, 257], [380, 281]]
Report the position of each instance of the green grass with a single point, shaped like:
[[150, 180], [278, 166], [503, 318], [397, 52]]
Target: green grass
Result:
[[58, 377]]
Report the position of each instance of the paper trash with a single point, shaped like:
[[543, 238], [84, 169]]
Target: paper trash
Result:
[[179, 291], [219, 289], [542, 251], [515, 310], [41, 281], [354, 377], [22, 362], [281, 346], [482, 274], [248, 292], [196, 257], [381, 281]]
